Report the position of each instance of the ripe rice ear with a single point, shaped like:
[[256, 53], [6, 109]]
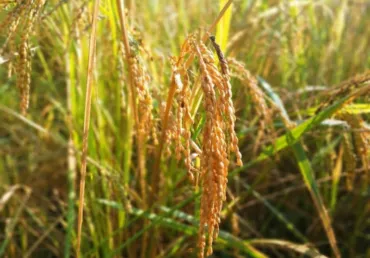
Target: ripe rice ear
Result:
[[218, 141], [258, 99], [22, 20], [360, 142]]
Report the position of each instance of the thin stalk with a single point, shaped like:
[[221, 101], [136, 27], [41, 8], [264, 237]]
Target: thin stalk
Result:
[[89, 85], [71, 161], [139, 135]]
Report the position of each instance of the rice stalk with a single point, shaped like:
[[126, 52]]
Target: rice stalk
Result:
[[139, 97], [89, 85], [141, 106]]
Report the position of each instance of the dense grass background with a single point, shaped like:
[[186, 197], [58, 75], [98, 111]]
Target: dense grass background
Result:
[[298, 50]]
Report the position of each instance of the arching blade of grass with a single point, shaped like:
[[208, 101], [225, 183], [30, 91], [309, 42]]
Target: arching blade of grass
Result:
[[354, 109], [144, 214], [274, 211], [309, 179], [273, 96], [224, 238], [166, 220], [306, 169], [296, 133]]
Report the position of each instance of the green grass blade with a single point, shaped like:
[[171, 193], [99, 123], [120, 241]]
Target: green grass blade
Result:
[[307, 172], [225, 238], [276, 212], [223, 27], [295, 134], [70, 215], [166, 221], [308, 176], [354, 109]]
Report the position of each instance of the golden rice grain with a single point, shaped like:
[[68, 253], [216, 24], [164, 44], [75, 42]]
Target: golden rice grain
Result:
[[257, 96], [216, 148], [349, 161], [344, 88], [360, 141], [21, 19]]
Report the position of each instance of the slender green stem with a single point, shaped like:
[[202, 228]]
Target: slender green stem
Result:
[[89, 85]]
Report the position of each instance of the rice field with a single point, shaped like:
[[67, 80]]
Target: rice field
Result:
[[185, 128]]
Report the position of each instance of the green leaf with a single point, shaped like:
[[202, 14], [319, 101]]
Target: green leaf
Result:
[[223, 27], [167, 219], [354, 109], [295, 134], [305, 165]]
